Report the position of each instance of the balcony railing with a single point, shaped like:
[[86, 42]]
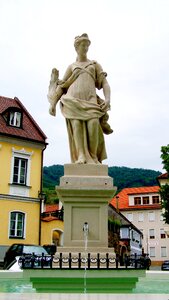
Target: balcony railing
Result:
[[59, 214]]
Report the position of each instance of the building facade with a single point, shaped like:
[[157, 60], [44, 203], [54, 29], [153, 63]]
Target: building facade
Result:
[[22, 143], [52, 225], [141, 206], [130, 237]]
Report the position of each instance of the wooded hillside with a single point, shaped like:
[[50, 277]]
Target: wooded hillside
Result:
[[123, 176]]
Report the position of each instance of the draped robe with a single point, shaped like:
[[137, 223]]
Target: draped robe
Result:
[[80, 102]]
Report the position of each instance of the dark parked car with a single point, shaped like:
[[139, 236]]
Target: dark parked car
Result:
[[51, 249], [165, 265], [19, 250]]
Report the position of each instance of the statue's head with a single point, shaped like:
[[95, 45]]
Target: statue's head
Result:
[[80, 38]]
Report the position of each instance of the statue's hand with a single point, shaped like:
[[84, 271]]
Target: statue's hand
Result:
[[52, 110], [105, 106]]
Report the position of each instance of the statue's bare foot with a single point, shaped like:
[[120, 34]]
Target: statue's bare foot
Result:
[[81, 160]]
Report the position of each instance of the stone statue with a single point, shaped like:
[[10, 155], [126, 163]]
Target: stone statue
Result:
[[85, 113]]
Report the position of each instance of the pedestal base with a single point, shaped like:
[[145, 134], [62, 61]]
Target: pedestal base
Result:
[[85, 191]]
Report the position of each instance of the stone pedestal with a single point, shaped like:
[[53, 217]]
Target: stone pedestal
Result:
[[85, 191]]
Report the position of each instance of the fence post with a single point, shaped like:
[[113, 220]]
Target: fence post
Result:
[[69, 260], [107, 260], [117, 261], [88, 260], [60, 260], [98, 260], [32, 260], [126, 261], [23, 262], [135, 257], [42, 260], [51, 261], [79, 260]]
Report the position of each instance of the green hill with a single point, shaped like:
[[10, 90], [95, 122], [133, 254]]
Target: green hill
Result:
[[123, 176]]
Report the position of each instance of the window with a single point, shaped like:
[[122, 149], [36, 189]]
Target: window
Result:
[[140, 217], [163, 251], [162, 234], [152, 251], [145, 200], [151, 216], [129, 217], [155, 199], [17, 220], [151, 234], [20, 170], [137, 200], [15, 118]]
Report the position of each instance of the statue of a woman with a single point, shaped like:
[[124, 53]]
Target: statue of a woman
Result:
[[85, 113]]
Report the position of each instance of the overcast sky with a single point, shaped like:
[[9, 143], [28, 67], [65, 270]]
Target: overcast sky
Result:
[[129, 38]]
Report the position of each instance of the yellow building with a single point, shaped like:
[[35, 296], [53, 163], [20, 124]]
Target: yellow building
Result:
[[52, 225], [22, 144]]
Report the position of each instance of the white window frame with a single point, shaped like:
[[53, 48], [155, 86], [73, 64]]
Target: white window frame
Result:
[[151, 216], [152, 251], [20, 171], [162, 233], [21, 154], [152, 233], [145, 198], [155, 196], [140, 217], [163, 251], [15, 236], [15, 118], [137, 199]]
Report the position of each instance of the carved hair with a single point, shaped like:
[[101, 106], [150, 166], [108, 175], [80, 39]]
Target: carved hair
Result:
[[80, 38]]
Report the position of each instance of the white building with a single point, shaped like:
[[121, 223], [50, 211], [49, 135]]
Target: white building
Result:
[[142, 207]]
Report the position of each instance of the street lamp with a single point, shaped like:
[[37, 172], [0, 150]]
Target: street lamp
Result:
[[41, 196]]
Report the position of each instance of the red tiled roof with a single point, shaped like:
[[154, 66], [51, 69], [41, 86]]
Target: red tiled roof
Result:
[[30, 129], [51, 207], [123, 199], [163, 176]]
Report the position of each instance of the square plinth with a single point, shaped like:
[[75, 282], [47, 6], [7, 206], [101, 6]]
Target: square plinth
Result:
[[85, 191]]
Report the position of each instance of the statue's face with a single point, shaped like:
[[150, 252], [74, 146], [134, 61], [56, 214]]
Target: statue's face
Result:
[[83, 47]]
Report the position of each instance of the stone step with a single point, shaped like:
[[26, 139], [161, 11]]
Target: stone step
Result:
[[81, 285]]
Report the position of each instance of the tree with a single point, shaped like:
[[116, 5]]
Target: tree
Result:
[[165, 157], [164, 189]]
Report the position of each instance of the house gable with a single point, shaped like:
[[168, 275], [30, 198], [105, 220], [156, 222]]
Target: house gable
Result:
[[15, 121]]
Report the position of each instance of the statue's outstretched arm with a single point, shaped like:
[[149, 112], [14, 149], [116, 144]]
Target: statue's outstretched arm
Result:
[[52, 95], [52, 85]]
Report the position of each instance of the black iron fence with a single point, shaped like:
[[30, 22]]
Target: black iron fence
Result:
[[138, 261], [82, 261]]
